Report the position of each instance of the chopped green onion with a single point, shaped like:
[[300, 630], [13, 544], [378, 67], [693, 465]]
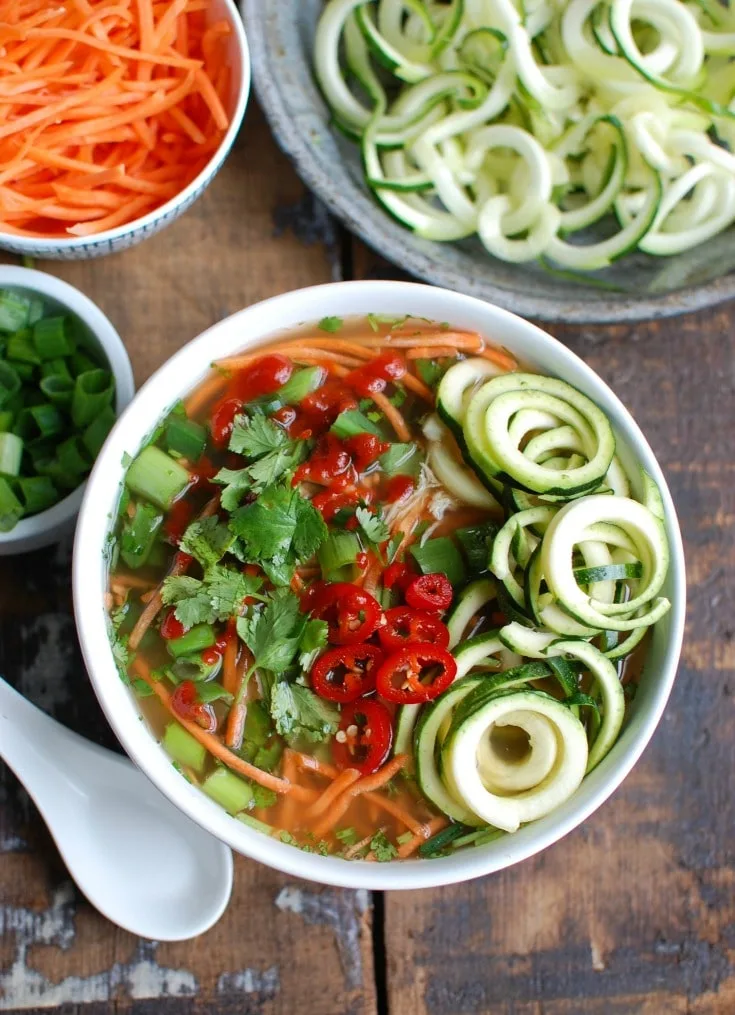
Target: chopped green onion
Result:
[[200, 636], [156, 477], [228, 790], [11, 509], [401, 459], [440, 556], [50, 338], [35, 308], [6, 420], [353, 422], [13, 310], [58, 389], [139, 534], [338, 551], [185, 437], [71, 457], [11, 453], [93, 390], [81, 363], [259, 826], [183, 747], [20, 348], [24, 370], [9, 382], [96, 433], [48, 419], [38, 493], [56, 368]]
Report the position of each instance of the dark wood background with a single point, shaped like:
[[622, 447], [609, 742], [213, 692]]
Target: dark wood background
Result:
[[632, 913]]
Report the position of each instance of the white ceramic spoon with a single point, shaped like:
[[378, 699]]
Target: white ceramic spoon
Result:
[[137, 858]]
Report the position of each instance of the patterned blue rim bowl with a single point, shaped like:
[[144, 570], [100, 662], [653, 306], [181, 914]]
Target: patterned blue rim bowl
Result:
[[113, 240]]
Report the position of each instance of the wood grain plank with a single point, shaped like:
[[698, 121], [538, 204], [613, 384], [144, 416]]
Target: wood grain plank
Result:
[[282, 944], [634, 912]]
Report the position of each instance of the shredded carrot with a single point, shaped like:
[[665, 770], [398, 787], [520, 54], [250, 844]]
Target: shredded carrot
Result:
[[392, 414], [429, 829], [330, 794], [365, 785], [132, 581], [111, 86], [499, 357], [427, 352], [391, 807], [214, 745], [354, 850]]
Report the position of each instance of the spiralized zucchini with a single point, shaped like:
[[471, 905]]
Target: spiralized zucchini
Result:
[[528, 124]]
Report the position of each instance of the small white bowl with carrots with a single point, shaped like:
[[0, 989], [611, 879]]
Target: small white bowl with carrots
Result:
[[120, 119]]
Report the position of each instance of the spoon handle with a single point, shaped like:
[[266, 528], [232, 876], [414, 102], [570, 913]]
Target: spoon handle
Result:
[[34, 745]]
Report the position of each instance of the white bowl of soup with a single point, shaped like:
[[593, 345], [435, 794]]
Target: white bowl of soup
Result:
[[391, 596]]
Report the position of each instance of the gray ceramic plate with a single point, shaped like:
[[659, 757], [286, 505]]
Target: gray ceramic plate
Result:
[[280, 33]]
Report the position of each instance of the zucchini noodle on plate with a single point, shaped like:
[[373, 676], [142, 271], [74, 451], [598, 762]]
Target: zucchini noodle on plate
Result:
[[528, 123]]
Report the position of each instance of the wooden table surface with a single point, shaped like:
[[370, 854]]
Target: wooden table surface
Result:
[[632, 913]]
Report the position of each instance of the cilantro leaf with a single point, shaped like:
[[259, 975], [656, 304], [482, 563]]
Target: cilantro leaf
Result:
[[270, 467], [279, 526], [236, 482], [311, 529], [118, 615], [348, 835], [121, 655], [372, 526], [330, 324], [217, 596], [228, 588], [394, 544], [300, 715], [207, 540], [257, 436], [382, 847], [190, 598], [273, 633], [263, 797], [313, 639]]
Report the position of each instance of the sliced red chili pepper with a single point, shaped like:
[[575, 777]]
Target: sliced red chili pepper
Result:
[[261, 377], [363, 740], [415, 674], [430, 592], [362, 560], [171, 627], [204, 470], [365, 448], [396, 574], [352, 614], [346, 673], [210, 656], [404, 625], [398, 488], [185, 703], [223, 419]]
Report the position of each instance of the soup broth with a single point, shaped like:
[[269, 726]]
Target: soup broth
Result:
[[334, 588]]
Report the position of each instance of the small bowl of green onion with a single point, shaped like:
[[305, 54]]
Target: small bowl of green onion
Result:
[[64, 379]]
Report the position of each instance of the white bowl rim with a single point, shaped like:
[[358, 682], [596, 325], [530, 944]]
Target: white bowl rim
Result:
[[29, 531], [33, 244], [118, 703]]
